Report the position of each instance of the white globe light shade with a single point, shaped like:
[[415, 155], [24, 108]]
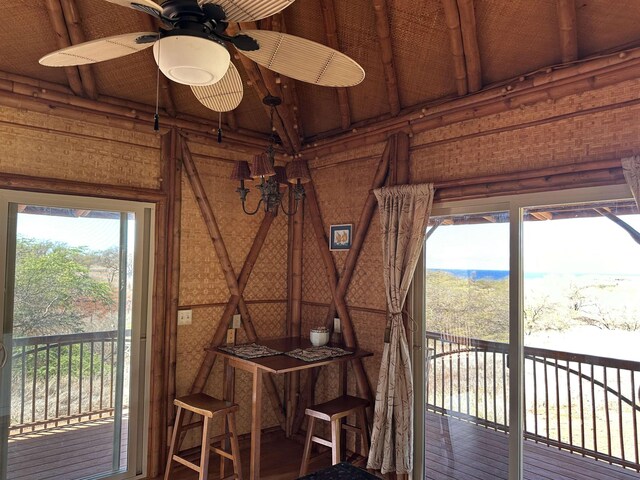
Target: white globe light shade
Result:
[[191, 60]]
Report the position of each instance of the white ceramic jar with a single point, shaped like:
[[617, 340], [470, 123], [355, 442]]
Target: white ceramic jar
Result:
[[319, 337]]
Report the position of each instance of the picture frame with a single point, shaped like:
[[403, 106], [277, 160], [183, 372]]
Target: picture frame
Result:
[[340, 237]]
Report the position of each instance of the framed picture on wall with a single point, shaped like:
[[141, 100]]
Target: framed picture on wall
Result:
[[340, 237]]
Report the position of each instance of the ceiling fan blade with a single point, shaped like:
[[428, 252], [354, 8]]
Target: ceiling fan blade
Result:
[[244, 42], [224, 95], [143, 5], [304, 60], [99, 50], [249, 10]]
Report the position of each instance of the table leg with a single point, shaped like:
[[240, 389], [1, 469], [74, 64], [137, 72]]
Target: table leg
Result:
[[228, 390], [256, 424]]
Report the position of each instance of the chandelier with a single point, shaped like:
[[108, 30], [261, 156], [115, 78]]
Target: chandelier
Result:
[[271, 177]]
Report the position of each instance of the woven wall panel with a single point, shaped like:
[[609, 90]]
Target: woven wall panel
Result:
[[42, 152], [600, 26], [346, 154], [315, 287]]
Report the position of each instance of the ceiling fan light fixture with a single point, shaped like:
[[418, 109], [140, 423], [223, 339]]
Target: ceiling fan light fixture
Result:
[[191, 60]]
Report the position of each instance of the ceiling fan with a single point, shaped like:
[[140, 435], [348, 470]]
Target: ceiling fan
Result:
[[190, 48]]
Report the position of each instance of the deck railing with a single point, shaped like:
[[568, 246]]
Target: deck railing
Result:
[[581, 403], [62, 379]]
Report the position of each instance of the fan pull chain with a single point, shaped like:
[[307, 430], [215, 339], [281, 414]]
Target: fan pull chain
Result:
[[156, 116], [219, 127]]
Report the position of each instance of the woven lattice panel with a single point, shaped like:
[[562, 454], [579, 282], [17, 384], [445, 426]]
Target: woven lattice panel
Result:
[[421, 26], [502, 25], [96, 155], [23, 45], [577, 138], [601, 27], [315, 286], [268, 279]]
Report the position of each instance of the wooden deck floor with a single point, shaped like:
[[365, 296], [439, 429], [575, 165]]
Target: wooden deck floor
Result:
[[64, 453], [476, 453]]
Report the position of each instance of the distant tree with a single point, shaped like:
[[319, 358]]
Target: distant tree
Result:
[[54, 290], [602, 309]]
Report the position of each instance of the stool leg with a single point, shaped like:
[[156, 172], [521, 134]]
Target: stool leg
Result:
[[335, 441], [174, 439], [307, 447], [362, 420], [235, 447], [206, 448], [224, 445]]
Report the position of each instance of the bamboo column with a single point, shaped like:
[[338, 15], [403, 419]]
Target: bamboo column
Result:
[[174, 181]]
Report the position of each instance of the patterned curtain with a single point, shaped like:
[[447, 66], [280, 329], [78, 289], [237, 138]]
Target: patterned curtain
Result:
[[404, 214], [631, 169]]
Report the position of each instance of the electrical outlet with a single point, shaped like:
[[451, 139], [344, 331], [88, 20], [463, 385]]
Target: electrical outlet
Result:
[[231, 336], [184, 317], [336, 325], [237, 318]]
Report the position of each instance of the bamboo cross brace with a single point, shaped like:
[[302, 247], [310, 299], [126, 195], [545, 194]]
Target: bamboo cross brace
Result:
[[339, 287], [236, 286]]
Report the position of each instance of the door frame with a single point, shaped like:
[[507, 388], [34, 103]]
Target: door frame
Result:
[[515, 205], [141, 311]]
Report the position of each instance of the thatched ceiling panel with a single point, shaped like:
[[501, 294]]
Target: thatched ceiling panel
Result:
[[602, 27], [358, 39], [516, 37], [25, 37], [422, 53]]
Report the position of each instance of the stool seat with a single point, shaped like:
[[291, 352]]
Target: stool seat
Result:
[[337, 408], [208, 407], [334, 411], [204, 405]]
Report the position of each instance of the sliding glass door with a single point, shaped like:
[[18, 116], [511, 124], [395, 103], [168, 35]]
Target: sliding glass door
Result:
[[530, 337], [73, 336]]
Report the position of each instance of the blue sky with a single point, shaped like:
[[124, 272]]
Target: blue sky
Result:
[[580, 245]]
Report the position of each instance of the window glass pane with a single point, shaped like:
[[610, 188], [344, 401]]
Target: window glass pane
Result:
[[467, 330], [582, 331]]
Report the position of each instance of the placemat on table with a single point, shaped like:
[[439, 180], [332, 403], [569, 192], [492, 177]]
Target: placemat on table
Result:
[[250, 350], [313, 354]]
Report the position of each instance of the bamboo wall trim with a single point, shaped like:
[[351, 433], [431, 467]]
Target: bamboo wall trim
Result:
[[72, 187], [354, 308], [470, 42], [273, 301]]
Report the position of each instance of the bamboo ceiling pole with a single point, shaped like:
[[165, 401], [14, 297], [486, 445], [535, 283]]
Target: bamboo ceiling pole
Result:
[[470, 43], [568, 30], [209, 219], [76, 35], [386, 51], [56, 18], [331, 30], [452, 19]]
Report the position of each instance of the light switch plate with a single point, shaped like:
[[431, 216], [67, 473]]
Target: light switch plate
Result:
[[184, 317], [237, 318], [231, 336], [336, 325]]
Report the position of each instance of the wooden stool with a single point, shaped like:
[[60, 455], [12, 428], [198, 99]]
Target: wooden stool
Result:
[[334, 411], [208, 407]]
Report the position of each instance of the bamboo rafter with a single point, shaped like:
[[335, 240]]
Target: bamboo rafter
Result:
[[383, 31], [452, 18], [568, 29], [331, 30], [56, 17], [470, 43]]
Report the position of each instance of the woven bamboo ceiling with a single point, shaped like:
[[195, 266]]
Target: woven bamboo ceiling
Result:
[[413, 52]]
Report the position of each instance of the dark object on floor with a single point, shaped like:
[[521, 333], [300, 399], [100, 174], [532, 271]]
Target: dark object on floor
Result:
[[340, 471]]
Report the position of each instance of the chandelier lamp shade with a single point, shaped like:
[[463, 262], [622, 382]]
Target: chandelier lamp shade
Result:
[[271, 176]]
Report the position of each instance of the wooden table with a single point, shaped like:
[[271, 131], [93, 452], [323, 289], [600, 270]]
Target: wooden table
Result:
[[275, 364]]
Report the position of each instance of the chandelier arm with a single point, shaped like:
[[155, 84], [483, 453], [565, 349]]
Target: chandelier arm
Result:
[[244, 209], [284, 210]]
